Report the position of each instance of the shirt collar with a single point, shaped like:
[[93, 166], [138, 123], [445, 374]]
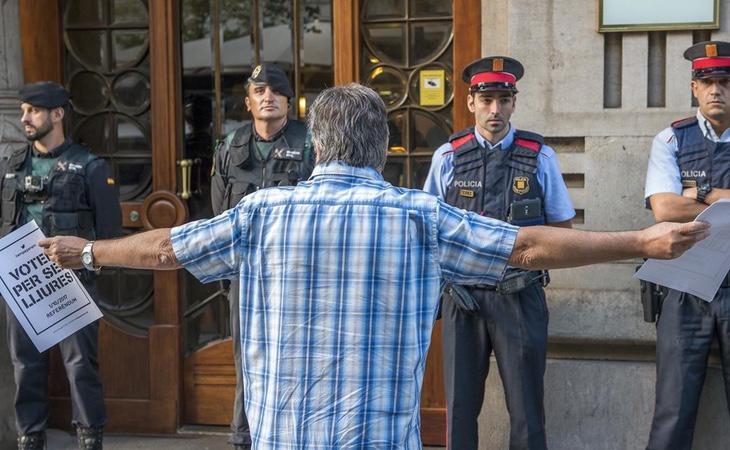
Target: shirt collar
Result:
[[506, 141], [336, 168], [709, 132], [54, 152]]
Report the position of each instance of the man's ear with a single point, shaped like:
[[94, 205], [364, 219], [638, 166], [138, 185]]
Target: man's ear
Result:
[[247, 103], [57, 114], [470, 102]]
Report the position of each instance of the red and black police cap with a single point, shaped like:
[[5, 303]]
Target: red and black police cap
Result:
[[44, 94], [493, 73], [274, 77], [709, 59]]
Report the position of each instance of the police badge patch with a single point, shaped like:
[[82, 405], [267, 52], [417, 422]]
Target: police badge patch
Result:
[[521, 185]]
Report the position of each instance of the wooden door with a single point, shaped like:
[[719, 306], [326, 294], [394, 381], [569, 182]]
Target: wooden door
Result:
[[390, 46], [118, 60]]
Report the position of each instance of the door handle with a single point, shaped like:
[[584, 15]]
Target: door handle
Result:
[[186, 173]]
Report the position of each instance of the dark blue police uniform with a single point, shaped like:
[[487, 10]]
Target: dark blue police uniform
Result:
[[689, 154], [516, 180]]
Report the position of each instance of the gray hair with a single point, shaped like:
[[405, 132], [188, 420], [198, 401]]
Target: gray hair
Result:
[[349, 125]]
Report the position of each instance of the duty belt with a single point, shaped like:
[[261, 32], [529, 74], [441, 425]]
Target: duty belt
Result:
[[515, 281]]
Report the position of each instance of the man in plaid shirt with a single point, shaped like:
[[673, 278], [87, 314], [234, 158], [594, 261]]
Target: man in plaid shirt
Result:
[[340, 280]]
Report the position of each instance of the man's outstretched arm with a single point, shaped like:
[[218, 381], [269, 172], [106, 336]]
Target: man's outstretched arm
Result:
[[553, 248], [148, 250]]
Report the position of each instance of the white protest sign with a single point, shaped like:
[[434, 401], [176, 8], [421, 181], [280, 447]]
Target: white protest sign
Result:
[[49, 302]]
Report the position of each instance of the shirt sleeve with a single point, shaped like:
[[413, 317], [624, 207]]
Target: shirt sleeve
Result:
[[104, 200], [441, 171], [472, 249], [662, 173], [210, 248], [558, 206]]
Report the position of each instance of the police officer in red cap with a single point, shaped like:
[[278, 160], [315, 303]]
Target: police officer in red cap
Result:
[[271, 150], [689, 169], [508, 174], [66, 190]]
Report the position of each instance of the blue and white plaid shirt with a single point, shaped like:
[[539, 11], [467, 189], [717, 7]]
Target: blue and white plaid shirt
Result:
[[340, 281]]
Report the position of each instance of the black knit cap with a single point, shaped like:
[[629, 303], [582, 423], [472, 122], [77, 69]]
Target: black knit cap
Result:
[[274, 77], [44, 94]]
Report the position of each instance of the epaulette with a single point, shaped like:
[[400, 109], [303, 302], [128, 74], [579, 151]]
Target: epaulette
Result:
[[684, 123], [530, 140], [462, 137]]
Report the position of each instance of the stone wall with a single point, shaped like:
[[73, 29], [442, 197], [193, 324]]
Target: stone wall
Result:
[[11, 77], [600, 375]]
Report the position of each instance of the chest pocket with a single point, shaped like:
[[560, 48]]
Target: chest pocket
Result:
[[468, 163], [67, 190], [691, 154], [238, 190]]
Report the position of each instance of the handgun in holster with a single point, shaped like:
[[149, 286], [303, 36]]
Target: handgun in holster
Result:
[[651, 300]]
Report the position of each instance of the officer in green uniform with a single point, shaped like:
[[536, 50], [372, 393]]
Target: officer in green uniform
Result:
[[67, 191], [271, 150]]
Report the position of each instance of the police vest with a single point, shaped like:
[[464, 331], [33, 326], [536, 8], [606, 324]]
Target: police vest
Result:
[[497, 183], [700, 159], [66, 208], [245, 171]]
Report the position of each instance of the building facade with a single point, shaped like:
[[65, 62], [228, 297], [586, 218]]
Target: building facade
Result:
[[156, 83]]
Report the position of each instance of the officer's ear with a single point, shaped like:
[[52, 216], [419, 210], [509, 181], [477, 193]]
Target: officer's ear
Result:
[[57, 114], [470, 101], [247, 102]]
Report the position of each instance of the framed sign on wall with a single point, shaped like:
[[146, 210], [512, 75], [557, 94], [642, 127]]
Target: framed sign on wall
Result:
[[652, 15]]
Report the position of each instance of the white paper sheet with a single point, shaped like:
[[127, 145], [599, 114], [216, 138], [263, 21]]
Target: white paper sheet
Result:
[[49, 302], [701, 269]]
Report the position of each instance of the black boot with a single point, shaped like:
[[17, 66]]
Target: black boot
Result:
[[32, 441], [89, 438]]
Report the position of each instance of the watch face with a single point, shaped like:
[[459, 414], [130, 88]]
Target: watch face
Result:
[[86, 258]]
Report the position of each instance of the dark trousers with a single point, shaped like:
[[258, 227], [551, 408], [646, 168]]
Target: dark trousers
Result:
[[239, 426], [515, 328], [79, 354], [685, 330]]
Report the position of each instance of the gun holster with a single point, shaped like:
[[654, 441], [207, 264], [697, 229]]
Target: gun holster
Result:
[[652, 296], [462, 298]]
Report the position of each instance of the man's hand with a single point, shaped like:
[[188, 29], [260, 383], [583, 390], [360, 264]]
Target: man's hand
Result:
[[65, 251], [669, 240]]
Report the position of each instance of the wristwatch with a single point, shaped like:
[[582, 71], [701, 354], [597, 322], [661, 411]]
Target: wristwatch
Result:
[[87, 257], [702, 191]]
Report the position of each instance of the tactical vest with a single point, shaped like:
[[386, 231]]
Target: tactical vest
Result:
[[66, 208], [497, 183], [245, 171], [700, 159]]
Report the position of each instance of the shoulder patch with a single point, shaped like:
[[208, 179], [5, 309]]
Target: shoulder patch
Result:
[[461, 141], [532, 145], [686, 122]]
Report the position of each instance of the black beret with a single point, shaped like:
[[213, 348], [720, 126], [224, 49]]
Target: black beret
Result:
[[493, 73], [709, 59], [274, 77], [44, 94]]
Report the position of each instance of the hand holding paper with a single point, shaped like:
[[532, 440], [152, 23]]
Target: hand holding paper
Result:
[[702, 268]]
